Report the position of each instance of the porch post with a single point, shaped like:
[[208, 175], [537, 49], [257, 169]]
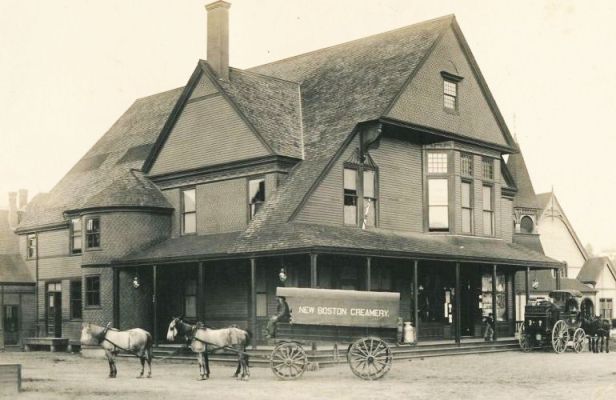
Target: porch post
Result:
[[253, 297], [415, 300], [458, 304], [527, 275], [368, 273], [313, 270], [154, 305], [116, 297], [557, 275], [494, 299], [201, 291]]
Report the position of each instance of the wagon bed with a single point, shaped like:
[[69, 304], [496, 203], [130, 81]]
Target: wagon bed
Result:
[[363, 320]]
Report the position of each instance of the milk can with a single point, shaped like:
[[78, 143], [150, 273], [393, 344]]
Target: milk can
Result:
[[409, 333]]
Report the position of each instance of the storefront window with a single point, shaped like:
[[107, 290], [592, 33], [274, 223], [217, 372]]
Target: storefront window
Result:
[[501, 295]]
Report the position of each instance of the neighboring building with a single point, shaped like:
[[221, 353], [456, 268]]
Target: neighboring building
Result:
[[17, 298], [370, 165], [599, 273]]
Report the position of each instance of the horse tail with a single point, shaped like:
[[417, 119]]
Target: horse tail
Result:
[[248, 338], [149, 342]]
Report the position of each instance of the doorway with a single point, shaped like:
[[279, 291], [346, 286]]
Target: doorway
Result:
[[11, 324], [54, 310], [470, 294]]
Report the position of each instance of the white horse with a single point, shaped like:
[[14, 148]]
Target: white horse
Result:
[[201, 336], [135, 341]]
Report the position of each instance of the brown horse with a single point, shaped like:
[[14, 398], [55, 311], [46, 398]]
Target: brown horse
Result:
[[200, 336], [135, 341], [598, 331]]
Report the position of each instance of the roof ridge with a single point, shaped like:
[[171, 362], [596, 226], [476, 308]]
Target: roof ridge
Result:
[[286, 59]]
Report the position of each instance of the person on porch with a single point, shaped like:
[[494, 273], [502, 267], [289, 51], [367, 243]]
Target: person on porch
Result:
[[488, 334]]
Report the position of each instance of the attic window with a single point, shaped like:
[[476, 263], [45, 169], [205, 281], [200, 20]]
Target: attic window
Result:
[[450, 90]]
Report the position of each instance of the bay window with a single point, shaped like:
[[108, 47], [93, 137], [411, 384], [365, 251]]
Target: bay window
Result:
[[488, 211], [438, 205], [467, 207]]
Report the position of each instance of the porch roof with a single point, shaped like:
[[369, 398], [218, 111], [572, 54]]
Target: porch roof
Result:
[[296, 237]]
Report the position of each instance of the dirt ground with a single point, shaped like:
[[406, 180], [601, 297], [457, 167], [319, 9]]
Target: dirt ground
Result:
[[511, 375]]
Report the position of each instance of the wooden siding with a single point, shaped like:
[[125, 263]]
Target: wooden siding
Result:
[[400, 187], [53, 243], [222, 206], [325, 204], [558, 243], [59, 267], [207, 132], [173, 197], [422, 101], [506, 216]]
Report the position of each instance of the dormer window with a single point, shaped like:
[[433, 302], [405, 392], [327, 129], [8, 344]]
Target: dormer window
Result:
[[360, 184], [450, 91]]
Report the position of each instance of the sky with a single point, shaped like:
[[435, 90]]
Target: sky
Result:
[[70, 68]]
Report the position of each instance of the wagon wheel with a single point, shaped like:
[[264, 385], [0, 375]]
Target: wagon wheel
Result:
[[288, 360], [578, 340], [560, 336], [369, 358], [525, 340]]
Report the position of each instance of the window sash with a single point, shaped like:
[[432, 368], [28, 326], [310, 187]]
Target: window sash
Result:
[[93, 230], [350, 196], [487, 198], [466, 164], [488, 168], [256, 195], [31, 245], [438, 204], [488, 223], [189, 211], [93, 295], [76, 240], [437, 163], [450, 94]]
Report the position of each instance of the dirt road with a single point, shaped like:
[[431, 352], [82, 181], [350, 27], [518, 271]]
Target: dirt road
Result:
[[510, 375]]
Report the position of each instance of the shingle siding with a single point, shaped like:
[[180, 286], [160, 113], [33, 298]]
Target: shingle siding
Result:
[[400, 185], [53, 243], [203, 126], [422, 101], [222, 206]]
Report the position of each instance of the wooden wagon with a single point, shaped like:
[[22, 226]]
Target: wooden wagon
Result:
[[363, 320]]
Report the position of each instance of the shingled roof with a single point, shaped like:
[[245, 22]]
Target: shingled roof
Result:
[[124, 147], [526, 197], [592, 269]]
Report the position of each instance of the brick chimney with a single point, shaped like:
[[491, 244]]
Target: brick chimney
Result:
[[12, 209], [218, 37], [23, 198]]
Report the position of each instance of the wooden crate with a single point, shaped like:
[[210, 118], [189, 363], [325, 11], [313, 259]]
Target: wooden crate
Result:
[[10, 379]]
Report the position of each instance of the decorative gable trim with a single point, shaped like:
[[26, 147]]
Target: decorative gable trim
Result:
[[451, 77]]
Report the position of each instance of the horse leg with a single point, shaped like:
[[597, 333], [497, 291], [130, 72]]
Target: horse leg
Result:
[[238, 369], [109, 356], [200, 362], [607, 342], [149, 360], [246, 366], [142, 360], [207, 364]]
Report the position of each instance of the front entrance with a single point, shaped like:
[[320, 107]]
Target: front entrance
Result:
[[470, 294], [11, 324], [54, 310]]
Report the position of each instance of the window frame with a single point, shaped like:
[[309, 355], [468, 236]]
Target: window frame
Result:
[[73, 300], [184, 213], [487, 162], [31, 246], [88, 291], [469, 207], [489, 211], [464, 156], [439, 175], [251, 215], [360, 194], [602, 303], [87, 246], [72, 249], [452, 79]]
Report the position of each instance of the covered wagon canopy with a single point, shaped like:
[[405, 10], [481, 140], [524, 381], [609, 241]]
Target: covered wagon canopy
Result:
[[341, 307]]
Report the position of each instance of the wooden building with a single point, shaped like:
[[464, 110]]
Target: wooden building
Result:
[[375, 164], [16, 281]]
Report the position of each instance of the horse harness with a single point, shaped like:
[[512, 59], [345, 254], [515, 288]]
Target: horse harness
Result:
[[103, 338]]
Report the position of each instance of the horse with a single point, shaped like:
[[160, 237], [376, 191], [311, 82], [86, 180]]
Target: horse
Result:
[[598, 331], [200, 336], [135, 341]]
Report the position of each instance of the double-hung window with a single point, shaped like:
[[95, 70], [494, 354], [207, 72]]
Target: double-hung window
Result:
[[605, 307], [350, 196], [76, 236], [256, 195], [31, 245], [93, 233], [450, 94], [467, 207], [438, 192], [189, 211], [369, 190], [488, 211], [93, 291]]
